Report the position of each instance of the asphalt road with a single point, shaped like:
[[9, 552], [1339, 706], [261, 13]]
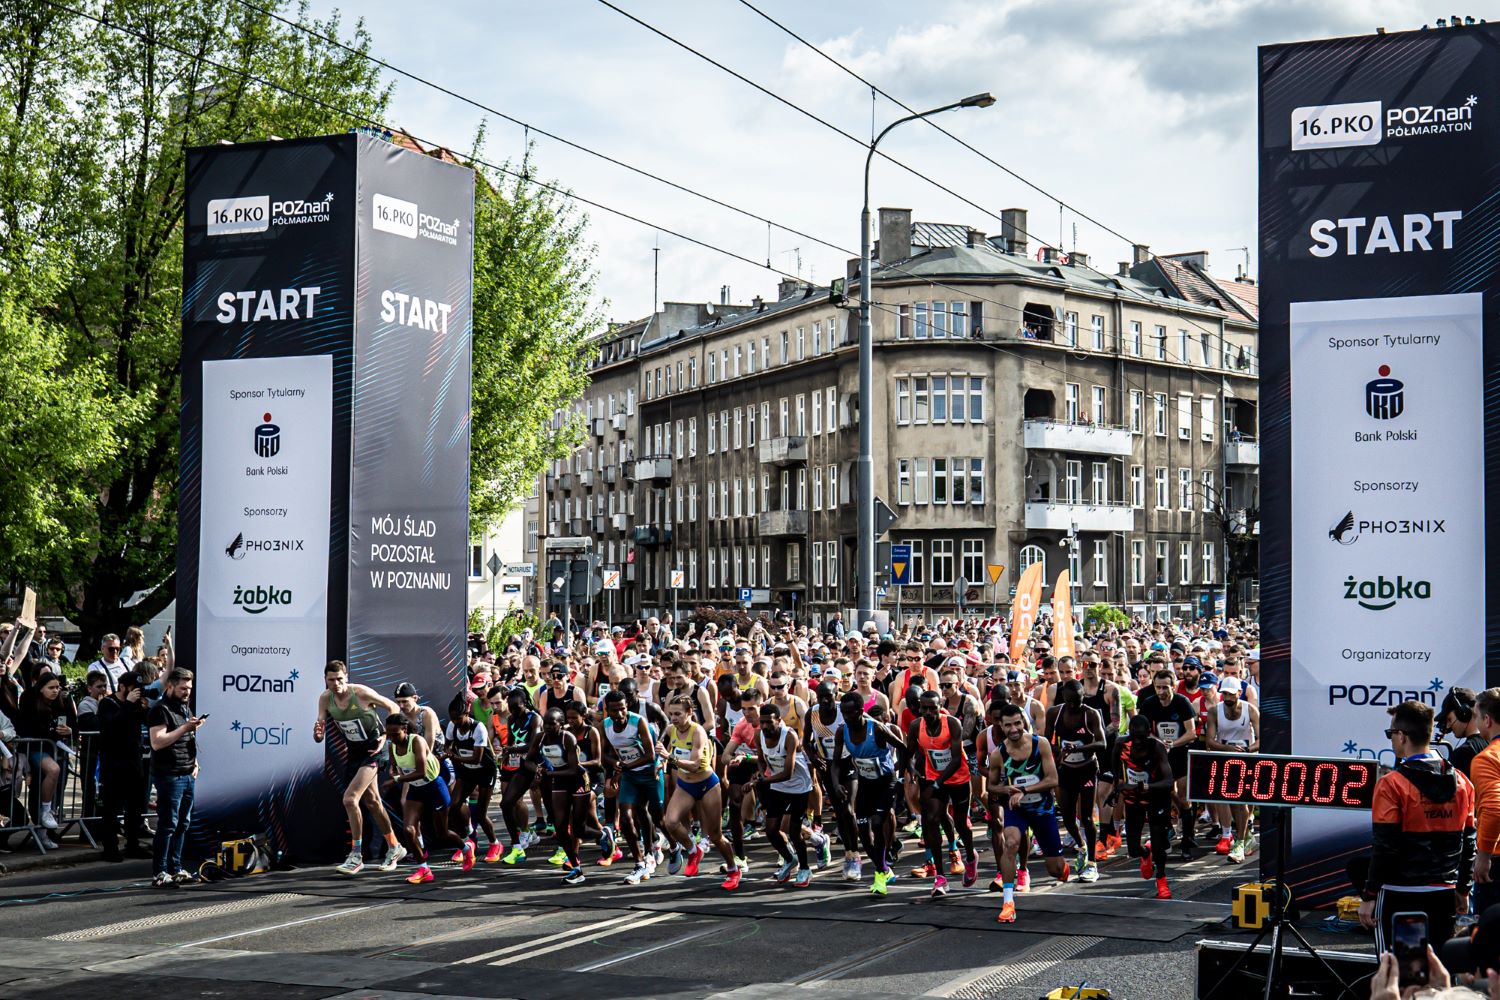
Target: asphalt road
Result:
[[519, 932]]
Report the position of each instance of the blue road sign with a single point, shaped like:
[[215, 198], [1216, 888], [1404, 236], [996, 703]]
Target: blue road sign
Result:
[[746, 595], [882, 592], [901, 565]]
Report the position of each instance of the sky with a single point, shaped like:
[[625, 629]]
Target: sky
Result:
[[1140, 116]]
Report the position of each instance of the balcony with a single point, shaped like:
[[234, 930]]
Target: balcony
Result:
[[554, 528], [550, 482], [575, 527], [1239, 522], [784, 450], [611, 474], [1091, 439], [617, 421], [620, 521], [598, 427], [1242, 452], [598, 524], [1058, 515], [566, 482], [586, 477], [656, 469], [782, 523], [650, 535]]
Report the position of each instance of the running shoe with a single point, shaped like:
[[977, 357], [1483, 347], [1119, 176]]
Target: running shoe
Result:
[[955, 866], [638, 876], [422, 874], [785, 871], [1023, 879], [1103, 851], [751, 831], [652, 863], [1065, 873], [1147, 869], [923, 871], [494, 853], [610, 859], [573, 876], [732, 881], [516, 856], [825, 851], [528, 839], [804, 878], [879, 882], [1090, 873], [693, 861], [997, 885], [353, 864], [674, 861], [1116, 841], [393, 856], [606, 842], [939, 887], [559, 857], [1081, 858], [659, 858], [1223, 846], [1007, 913], [468, 855], [971, 870], [458, 855], [1236, 853], [852, 871], [184, 877], [1186, 848], [1163, 891], [161, 880]]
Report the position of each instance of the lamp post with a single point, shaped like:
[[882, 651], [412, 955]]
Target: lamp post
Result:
[[865, 464]]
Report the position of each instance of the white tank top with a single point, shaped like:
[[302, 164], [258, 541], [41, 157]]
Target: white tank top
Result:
[[801, 779], [1235, 732]]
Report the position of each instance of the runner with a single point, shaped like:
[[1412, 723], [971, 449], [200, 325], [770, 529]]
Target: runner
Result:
[[630, 762], [1175, 723], [555, 753], [415, 766], [740, 769], [1234, 725], [468, 745], [351, 707], [875, 794], [690, 756], [522, 728], [1021, 782], [591, 759], [821, 738], [1103, 696], [943, 783], [1077, 734], [785, 782], [1144, 769]]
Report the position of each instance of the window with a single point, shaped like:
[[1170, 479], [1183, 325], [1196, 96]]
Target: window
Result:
[[1098, 332], [1184, 416], [737, 359], [680, 442], [976, 400], [1208, 562], [785, 347], [765, 490], [739, 427], [765, 564], [918, 575], [801, 489], [940, 399], [817, 565], [765, 362], [1070, 329], [958, 479], [817, 412], [750, 508], [1206, 418], [833, 487], [940, 320], [786, 410], [1184, 489], [1209, 496], [957, 396], [1206, 350], [765, 419], [750, 426], [921, 490], [1137, 410], [920, 398], [1161, 343], [713, 506], [817, 503], [976, 480], [786, 489], [1075, 571], [1098, 404], [679, 505], [919, 312], [749, 567], [833, 566], [1099, 569], [1100, 483], [713, 376], [723, 430], [958, 323], [713, 567], [942, 562], [1137, 486], [1161, 564], [903, 322], [817, 341], [833, 403], [692, 570], [801, 415], [1031, 555], [972, 567], [692, 502], [801, 343], [1159, 413], [1070, 395], [713, 433], [793, 562], [1185, 562], [1135, 339], [692, 373], [1073, 483], [1137, 562], [749, 366], [476, 560], [1161, 488], [939, 480], [692, 437]]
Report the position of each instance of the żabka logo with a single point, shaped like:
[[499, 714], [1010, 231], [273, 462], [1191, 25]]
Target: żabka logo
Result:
[[255, 600], [1381, 594]]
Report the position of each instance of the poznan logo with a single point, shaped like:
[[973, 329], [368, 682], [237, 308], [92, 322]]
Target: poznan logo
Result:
[[260, 683], [255, 600], [1382, 594]]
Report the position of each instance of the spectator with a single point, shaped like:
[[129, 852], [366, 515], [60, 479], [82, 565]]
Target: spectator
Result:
[[110, 662], [52, 656], [45, 718], [122, 776], [88, 708], [174, 770], [1484, 769], [134, 650]]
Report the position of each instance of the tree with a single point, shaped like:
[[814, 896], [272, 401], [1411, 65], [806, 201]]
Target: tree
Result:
[[1103, 616], [533, 279], [119, 98]]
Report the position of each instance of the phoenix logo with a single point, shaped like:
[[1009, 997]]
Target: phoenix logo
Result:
[[1340, 532], [236, 549]]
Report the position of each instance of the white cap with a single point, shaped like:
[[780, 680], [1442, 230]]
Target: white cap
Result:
[[1230, 685]]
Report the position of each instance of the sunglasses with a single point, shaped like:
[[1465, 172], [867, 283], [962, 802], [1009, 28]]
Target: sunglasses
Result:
[[1393, 732], [947, 685], [778, 687]]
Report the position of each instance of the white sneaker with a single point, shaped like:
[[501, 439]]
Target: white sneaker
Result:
[[49, 820], [1090, 873], [658, 859], [638, 876], [527, 839], [1237, 853], [393, 856], [651, 864], [353, 864]]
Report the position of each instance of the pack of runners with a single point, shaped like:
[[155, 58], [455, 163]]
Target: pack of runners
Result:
[[650, 751]]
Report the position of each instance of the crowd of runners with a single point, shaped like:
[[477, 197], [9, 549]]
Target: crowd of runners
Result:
[[633, 755]]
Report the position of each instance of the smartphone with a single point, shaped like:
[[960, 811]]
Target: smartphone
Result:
[[1409, 945]]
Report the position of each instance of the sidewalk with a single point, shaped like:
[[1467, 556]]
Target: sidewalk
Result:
[[26, 857]]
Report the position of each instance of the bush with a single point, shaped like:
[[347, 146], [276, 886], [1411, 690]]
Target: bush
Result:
[[1103, 616]]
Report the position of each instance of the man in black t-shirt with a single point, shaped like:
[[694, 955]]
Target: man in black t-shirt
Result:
[[1174, 721], [122, 778], [1457, 718], [174, 769]]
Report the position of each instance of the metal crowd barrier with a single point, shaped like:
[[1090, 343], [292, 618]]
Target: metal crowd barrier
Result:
[[75, 802]]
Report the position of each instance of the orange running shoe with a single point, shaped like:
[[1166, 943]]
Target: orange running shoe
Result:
[[955, 866], [1065, 873], [466, 854], [1146, 867], [458, 856], [1116, 841], [1007, 914], [494, 853], [1163, 891], [605, 862], [424, 874], [1023, 879], [1102, 850], [732, 882], [923, 871]]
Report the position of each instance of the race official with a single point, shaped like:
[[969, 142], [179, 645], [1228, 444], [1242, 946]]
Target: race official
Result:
[[1423, 833]]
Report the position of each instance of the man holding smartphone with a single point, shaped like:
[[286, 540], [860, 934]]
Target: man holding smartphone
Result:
[[174, 770]]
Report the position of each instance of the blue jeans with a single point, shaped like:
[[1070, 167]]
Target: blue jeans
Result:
[[174, 814]]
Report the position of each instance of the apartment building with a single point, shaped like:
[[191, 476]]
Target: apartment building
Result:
[[1028, 408]]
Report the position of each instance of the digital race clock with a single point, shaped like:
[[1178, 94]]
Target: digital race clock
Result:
[[1257, 779]]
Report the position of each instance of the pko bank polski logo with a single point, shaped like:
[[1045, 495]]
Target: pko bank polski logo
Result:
[[404, 218], [261, 736], [258, 213], [1366, 123]]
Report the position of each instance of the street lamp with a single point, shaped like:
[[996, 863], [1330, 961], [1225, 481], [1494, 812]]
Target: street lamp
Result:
[[865, 464]]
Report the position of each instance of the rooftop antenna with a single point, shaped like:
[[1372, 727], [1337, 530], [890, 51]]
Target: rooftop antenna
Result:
[[655, 273], [1246, 251]]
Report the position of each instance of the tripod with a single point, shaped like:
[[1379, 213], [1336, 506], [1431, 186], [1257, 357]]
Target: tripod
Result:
[[1278, 926]]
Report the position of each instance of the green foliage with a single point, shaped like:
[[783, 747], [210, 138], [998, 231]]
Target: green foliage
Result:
[[1104, 616], [499, 631]]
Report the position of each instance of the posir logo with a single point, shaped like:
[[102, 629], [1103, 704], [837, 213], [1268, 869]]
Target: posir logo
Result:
[[255, 600], [260, 683], [1381, 594], [257, 213], [261, 736]]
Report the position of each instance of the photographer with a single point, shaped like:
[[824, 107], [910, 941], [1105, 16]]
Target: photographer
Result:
[[122, 776]]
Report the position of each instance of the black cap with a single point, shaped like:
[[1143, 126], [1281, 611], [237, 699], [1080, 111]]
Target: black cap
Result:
[[405, 689], [1479, 949]]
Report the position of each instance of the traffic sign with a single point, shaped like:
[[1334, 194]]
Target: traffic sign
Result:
[[679, 578], [517, 569], [511, 588], [995, 570], [884, 516], [611, 579], [494, 564], [901, 565], [882, 592], [746, 594]]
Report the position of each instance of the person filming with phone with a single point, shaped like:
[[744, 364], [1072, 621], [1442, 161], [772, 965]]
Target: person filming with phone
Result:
[[174, 769], [1422, 837]]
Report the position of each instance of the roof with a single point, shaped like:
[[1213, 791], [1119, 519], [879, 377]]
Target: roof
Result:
[[1248, 293], [955, 263], [1196, 285], [938, 234]]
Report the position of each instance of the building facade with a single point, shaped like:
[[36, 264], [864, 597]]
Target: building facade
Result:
[[1028, 408]]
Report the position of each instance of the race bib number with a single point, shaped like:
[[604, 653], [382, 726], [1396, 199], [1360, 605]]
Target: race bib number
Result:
[[1238, 744], [515, 758], [554, 755], [1168, 731], [775, 762], [1134, 777], [352, 730], [867, 767], [629, 754], [1071, 753], [1025, 781], [940, 759], [827, 742], [683, 755]]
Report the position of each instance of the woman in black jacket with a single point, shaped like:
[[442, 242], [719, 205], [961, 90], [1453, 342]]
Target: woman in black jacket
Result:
[[46, 718]]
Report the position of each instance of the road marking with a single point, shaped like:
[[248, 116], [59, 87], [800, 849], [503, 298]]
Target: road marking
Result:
[[454, 935], [1016, 970], [836, 970], [289, 923], [178, 917], [569, 938], [652, 949]]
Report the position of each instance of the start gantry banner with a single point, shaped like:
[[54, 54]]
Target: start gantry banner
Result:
[[1379, 247], [323, 508]]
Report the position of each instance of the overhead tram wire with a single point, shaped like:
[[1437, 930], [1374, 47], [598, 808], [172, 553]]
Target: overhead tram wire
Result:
[[527, 178]]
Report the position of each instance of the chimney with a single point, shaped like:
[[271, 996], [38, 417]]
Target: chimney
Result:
[[1124, 271], [788, 288], [895, 234], [1078, 258], [1197, 258], [1013, 230], [723, 295], [1139, 253], [758, 303], [1049, 255], [976, 238]]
